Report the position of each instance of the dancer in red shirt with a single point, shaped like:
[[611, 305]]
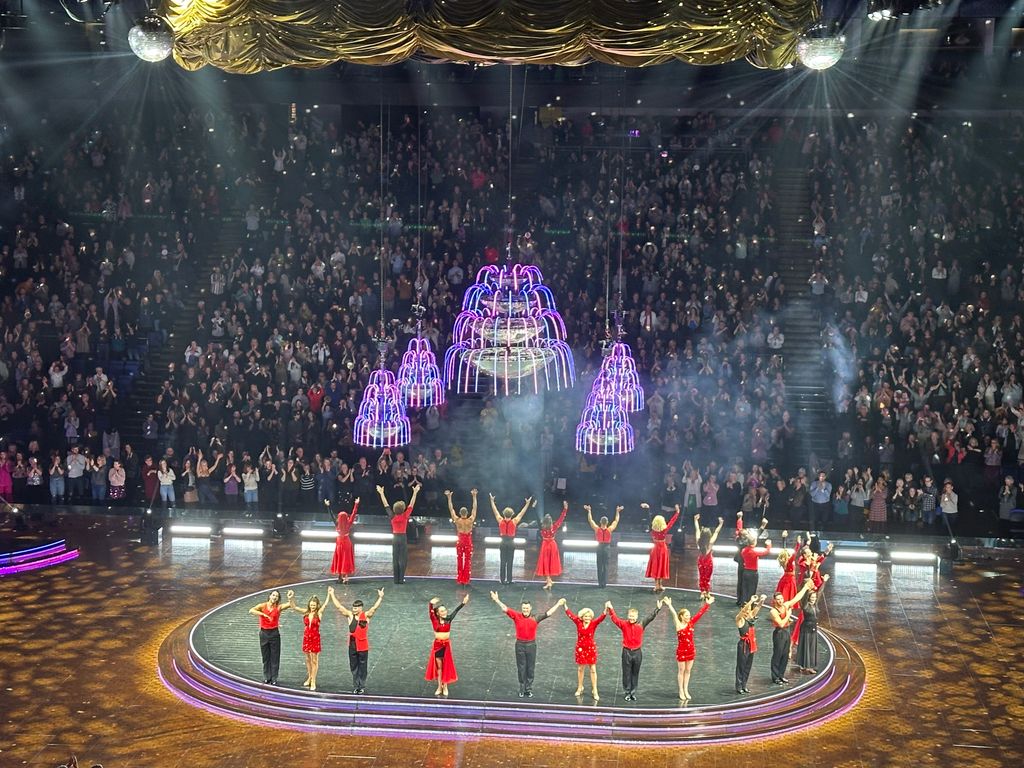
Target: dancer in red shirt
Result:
[[311, 615], [399, 514], [526, 640], [344, 562], [441, 664], [549, 563], [358, 640], [686, 652], [603, 531], [749, 555], [586, 647], [464, 522], [507, 521], [657, 563], [632, 642], [269, 614], [706, 539]]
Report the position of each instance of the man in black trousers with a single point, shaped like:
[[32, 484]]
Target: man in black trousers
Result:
[[526, 640], [632, 645]]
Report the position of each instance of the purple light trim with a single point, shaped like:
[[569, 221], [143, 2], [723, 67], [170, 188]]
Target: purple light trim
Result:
[[448, 735], [35, 565], [508, 335], [381, 421], [618, 375], [35, 552], [604, 428], [419, 379]]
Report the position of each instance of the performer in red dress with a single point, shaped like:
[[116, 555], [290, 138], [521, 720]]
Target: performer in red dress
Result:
[[344, 562], [586, 647], [549, 563], [686, 652], [311, 616], [464, 522], [706, 539], [787, 559], [441, 664], [657, 563], [807, 567]]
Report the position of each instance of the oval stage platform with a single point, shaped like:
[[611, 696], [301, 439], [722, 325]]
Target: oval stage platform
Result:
[[213, 662]]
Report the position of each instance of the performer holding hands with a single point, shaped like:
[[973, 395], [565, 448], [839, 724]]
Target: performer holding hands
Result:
[[526, 640], [311, 615], [464, 522], [358, 640], [685, 649], [269, 614], [586, 647], [632, 645], [603, 533], [781, 613]]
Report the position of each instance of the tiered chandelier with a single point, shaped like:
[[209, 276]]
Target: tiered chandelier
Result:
[[419, 379], [381, 421], [509, 337], [619, 378]]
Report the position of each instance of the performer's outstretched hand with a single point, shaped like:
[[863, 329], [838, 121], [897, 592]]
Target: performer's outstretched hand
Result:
[[380, 592], [465, 598], [434, 600], [494, 596]]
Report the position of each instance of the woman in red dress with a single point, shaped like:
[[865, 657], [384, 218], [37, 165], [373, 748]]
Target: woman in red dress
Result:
[[787, 559], [686, 652], [344, 562], [706, 539], [586, 648], [441, 664], [657, 563], [311, 615], [549, 563]]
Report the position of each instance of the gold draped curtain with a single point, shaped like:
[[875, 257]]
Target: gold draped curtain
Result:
[[248, 36]]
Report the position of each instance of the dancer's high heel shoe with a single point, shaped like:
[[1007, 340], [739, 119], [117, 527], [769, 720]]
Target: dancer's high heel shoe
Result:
[[579, 692], [596, 697]]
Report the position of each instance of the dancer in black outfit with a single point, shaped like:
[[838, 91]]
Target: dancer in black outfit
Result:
[[747, 645], [603, 534], [782, 617]]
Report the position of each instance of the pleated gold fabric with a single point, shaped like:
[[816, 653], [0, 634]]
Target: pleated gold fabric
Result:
[[248, 36]]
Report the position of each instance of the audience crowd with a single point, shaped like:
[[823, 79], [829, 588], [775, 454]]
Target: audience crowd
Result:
[[257, 413]]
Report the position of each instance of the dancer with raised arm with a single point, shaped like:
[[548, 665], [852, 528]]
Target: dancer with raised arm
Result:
[[399, 513], [508, 521], [807, 644], [782, 614], [658, 561], [603, 533], [747, 645], [741, 542], [441, 664], [526, 640], [358, 636], [344, 562], [269, 614], [549, 561], [464, 522], [686, 652], [750, 554], [706, 539], [586, 647], [787, 559], [311, 616], [632, 645]]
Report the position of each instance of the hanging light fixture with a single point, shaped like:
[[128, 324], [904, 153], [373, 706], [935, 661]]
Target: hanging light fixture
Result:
[[509, 337], [619, 376], [419, 379], [604, 428], [381, 421]]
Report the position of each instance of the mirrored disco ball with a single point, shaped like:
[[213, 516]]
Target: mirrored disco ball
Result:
[[817, 49], [151, 39]]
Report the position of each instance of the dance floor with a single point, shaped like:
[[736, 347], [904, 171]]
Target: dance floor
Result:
[[81, 643]]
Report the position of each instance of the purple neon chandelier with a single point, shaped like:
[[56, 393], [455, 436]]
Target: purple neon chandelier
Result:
[[604, 428], [509, 337], [381, 421], [419, 379], [618, 375]]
